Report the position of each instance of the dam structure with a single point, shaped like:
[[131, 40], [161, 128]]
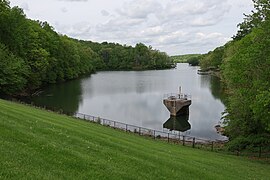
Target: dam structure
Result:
[[177, 104]]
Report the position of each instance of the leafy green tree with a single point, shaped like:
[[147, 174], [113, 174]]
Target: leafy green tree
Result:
[[246, 73], [141, 55], [4, 24], [212, 59], [193, 61], [259, 15], [13, 72], [38, 62]]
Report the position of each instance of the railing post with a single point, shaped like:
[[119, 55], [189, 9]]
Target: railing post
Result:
[[193, 143], [260, 152], [139, 130], [154, 134], [114, 124], [183, 140], [84, 116], [168, 137], [126, 127], [238, 152]]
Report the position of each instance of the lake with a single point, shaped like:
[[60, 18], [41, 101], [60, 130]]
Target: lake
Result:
[[136, 98]]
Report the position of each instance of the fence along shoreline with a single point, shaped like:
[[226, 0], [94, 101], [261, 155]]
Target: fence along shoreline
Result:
[[184, 140], [155, 134]]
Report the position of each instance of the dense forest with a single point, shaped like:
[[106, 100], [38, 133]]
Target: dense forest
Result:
[[245, 63], [33, 54]]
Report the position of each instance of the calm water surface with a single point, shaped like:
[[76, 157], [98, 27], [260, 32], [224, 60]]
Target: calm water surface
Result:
[[135, 97]]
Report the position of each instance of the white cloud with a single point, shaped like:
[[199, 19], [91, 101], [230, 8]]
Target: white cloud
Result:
[[176, 37], [78, 30], [139, 9], [64, 10], [200, 21], [215, 36], [194, 12], [172, 23], [104, 13], [152, 31], [25, 6], [74, 0]]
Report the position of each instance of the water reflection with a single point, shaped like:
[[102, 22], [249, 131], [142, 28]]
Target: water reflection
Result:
[[135, 97], [65, 97], [178, 123], [215, 85], [217, 89], [205, 81]]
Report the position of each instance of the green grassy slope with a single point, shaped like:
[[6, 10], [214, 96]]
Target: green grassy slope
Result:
[[36, 144]]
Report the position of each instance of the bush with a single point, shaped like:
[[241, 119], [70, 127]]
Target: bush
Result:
[[249, 142], [193, 61]]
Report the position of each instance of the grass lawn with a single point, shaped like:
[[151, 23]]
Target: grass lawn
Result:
[[36, 144]]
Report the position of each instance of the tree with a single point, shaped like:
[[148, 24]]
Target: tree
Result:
[[255, 19], [13, 72], [246, 74], [212, 59], [141, 54], [194, 61]]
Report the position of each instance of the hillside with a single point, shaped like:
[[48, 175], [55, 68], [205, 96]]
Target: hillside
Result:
[[183, 58], [36, 144], [33, 55]]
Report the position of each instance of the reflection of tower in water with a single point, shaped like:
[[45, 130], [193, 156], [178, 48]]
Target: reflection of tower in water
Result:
[[178, 123]]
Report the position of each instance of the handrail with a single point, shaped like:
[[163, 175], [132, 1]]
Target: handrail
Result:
[[143, 130], [177, 96]]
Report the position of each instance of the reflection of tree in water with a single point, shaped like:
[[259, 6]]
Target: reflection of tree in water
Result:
[[217, 89], [179, 123], [205, 81], [64, 97], [215, 85]]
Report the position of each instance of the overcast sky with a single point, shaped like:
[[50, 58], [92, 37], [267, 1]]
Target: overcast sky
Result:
[[172, 26]]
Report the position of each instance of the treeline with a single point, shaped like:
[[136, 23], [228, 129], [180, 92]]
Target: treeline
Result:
[[245, 71], [33, 55], [192, 59], [118, 57]]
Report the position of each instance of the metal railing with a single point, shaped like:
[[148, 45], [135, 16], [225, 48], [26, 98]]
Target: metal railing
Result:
[[168, 136], [177, 96]]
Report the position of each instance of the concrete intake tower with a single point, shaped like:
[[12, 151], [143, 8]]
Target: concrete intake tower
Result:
[[177, 104]]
